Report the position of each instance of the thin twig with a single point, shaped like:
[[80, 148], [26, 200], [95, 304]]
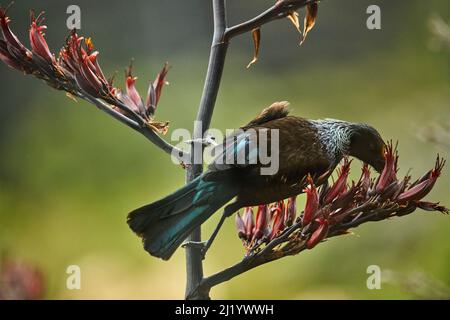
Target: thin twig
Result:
[[144, 130]]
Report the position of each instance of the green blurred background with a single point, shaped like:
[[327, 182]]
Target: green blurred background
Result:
[[69, 174]]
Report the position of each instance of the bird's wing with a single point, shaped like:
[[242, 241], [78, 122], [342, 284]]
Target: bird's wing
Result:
[[276, 111], [239, 150]]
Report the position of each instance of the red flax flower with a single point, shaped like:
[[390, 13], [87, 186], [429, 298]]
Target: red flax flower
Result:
[[12, 51], [365, 180], [133, 99], [240, 226], [312, 202], [333, 211], [76, 70], [319, 233], [278, 223], [37, 41], [249, 223], [422, 187], [262, 217], [7, 58], [389, 173], [20, 280], [341, 182], [290, 211]]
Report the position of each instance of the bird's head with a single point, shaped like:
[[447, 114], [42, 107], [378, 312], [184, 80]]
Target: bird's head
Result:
[[367, 145]]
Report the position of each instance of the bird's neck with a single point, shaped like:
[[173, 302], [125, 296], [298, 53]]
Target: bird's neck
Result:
[[335, 136]]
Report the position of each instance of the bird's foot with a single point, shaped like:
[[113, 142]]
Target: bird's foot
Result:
[[202, 246], [206, 142], [194, 244]]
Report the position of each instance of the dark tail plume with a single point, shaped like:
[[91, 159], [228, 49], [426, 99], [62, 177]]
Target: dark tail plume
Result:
[[165, 224]]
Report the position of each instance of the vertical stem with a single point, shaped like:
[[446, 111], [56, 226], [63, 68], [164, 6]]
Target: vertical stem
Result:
[[194, 266]]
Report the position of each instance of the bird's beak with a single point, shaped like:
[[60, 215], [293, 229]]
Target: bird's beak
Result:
[[379, 165], [380, 162]]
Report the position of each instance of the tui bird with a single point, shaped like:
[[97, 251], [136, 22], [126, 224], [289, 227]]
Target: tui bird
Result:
[[306, 147]]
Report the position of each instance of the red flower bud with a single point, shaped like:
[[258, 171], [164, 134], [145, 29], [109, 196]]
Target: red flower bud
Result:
[[319, 234], [312, 202]]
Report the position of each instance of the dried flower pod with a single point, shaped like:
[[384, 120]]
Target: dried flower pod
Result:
[[429, 206], [155, 90]]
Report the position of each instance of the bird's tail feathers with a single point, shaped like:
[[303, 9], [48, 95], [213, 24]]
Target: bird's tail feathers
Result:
[[165, 224]]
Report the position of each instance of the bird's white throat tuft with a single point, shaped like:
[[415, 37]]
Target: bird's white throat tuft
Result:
[[335, 137]]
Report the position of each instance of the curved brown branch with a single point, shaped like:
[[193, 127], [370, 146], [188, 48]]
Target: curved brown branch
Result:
[[279, 10]]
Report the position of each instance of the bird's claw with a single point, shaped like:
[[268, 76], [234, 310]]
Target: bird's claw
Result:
[[206, 142], [201, 246]]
